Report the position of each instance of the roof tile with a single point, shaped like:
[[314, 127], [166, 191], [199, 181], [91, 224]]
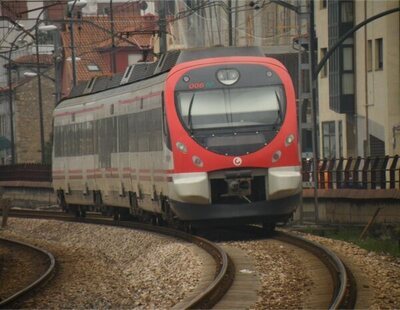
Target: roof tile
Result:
[[92, 37]]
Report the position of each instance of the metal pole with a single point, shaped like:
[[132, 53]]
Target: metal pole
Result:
[[39, 80], [313, 106], [71, 25], [162, 28], [229, 9], [366, 151], [57, 61], [11, 110], [113, 60]]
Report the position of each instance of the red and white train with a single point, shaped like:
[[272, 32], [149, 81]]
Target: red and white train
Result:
[[200, 136]]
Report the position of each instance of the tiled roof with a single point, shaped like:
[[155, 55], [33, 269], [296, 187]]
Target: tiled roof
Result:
[[90, 39], [44, 59]]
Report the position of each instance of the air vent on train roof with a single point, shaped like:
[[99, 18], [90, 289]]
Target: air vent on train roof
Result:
[[78, 89], [142, 70], [89, 85], [115, 80], [167, 61], [100, 84], [127, 74]]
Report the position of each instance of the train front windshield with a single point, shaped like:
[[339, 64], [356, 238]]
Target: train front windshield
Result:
[[232, 107]]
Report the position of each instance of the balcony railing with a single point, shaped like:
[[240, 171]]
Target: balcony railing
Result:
[[356, 173]]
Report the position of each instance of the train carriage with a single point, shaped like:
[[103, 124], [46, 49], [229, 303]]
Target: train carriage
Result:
[[205, 136]]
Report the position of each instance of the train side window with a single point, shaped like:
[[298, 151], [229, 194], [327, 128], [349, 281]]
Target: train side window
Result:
[[89, 133], [65, 140], [132, 133], [114, 135], [165, 128], [79, 139], [56, 142], [123, 133], [144, 142], [95, 135]]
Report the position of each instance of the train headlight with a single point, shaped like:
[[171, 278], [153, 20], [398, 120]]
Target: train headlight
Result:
[[181, 147], [197, 161], [289, 140], [228, 76], [277, 155]]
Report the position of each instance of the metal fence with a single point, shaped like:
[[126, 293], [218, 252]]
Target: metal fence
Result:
[[357, 173], [26, 172]]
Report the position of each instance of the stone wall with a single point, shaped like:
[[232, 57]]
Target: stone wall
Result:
[[27, 119], [350, 211]]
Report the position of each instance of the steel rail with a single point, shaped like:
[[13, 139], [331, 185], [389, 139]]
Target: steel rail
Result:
[[209, 297], [344, 284], [5, 303], [344, 295]]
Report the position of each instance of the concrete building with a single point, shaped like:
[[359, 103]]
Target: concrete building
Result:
[[359, 110]]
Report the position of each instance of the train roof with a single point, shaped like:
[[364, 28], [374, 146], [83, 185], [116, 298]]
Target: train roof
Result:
[[144, 70]]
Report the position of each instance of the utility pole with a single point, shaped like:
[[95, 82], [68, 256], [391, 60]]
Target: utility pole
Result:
[[71, 25], [71, 6], [11, 109], [230, 22], [162, 25], [314, 105], [40, 97], [113, 60]]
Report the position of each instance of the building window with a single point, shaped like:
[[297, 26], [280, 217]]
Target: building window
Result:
[[379, 54], [324, 71], [346, 12], [93, 67], [329, 140], [340, 134], [369, 55], [322, 4], [348, 58], [347, 84]]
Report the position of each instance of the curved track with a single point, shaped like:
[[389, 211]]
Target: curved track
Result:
[[208, 297], [43, 278], [343, 283], [344, 288]]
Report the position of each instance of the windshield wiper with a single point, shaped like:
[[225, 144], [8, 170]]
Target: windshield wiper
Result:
[[279, 119], [190, 113]]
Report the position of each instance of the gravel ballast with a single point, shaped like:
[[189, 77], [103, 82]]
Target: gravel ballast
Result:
[[100, 266], [284, 283]]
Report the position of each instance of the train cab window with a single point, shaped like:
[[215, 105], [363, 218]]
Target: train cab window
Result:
[[233, 107]]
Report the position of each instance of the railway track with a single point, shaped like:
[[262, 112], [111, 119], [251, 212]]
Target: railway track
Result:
[[343, 287], [335, 285], [207, 298], [23, 269]]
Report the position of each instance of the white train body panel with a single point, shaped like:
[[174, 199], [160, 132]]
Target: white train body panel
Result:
[[124, 171]]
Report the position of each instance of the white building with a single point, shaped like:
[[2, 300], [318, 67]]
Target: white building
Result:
[[359, 90]]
